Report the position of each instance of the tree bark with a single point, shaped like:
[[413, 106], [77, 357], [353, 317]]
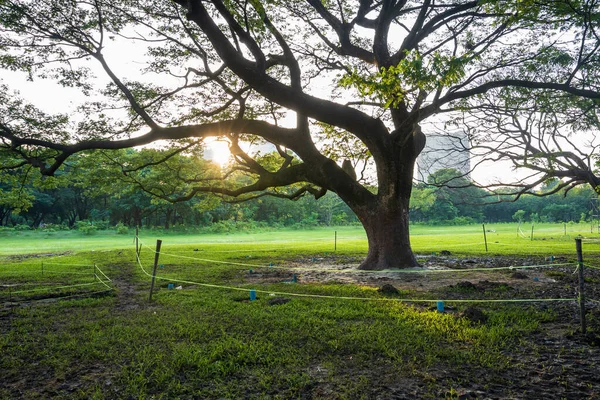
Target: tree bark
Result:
[[386, 226], [385, 217]]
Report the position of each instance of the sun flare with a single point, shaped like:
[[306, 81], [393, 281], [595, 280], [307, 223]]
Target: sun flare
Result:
[[218, 152]]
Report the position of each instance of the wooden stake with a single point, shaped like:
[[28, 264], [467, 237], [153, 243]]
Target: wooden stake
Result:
[[532, 232], [485, 238], [581, 281], [156, 255], [335, 241], [137, 242]]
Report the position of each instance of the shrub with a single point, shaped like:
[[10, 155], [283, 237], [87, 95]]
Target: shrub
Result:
[[122, 229], [101, 225], [462, 221], [86, 227], [54, 227], [88, 230]]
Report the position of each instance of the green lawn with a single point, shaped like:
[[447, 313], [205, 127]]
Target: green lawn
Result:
[[501, 238], [206, 342]]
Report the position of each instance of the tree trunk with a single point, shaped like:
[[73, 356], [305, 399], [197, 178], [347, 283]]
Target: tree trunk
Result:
[[387, 231], [168, 213], [385, 216]]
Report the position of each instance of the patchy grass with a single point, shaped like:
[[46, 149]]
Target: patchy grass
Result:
[[205, 342]]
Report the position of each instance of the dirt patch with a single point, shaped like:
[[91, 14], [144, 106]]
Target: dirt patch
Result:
[[452, 276], [21, 257], [128, 293]]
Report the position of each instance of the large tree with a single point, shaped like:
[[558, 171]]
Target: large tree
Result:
[[360, 78]]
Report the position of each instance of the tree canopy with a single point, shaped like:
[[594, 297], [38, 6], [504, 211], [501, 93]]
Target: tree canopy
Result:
[[363, 81]]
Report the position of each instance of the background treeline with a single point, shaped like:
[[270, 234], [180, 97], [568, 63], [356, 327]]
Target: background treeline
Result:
[[95, 192], [448, 199]]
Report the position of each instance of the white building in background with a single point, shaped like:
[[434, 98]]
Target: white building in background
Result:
[[444, 150]]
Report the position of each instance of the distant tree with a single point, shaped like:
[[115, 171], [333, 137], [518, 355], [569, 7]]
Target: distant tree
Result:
[[421, 200], [455, 196], [519, 216]]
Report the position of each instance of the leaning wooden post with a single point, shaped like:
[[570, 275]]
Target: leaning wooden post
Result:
[[335, 241], [581, 280], [485, 238], [137, 253], [156, 255]]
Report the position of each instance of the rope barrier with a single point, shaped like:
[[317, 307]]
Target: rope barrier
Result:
[[103, 274], [57, 287], [48, 286], [251, 251], [464, 245], [30, 284], [20, 272], [67, 296], [67, 265], [411, 271], [550, 246], [592, 266], [104, 283], [213, 261], [350, 297]]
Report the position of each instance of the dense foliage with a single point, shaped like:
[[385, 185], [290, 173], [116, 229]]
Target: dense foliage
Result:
[[125, 200]]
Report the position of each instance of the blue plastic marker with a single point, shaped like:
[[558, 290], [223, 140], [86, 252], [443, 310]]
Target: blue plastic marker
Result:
[[440, 306], [252, 295], [294, 278], [171, 286], [161, 266]]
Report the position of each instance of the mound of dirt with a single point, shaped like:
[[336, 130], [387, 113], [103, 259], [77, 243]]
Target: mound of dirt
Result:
[[275, 301], [474, 314], [388, 289]]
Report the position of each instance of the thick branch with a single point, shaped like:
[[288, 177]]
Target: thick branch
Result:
[[484, 88]]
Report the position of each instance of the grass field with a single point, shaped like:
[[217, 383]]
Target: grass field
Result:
[[501, 238], [208, 342]]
